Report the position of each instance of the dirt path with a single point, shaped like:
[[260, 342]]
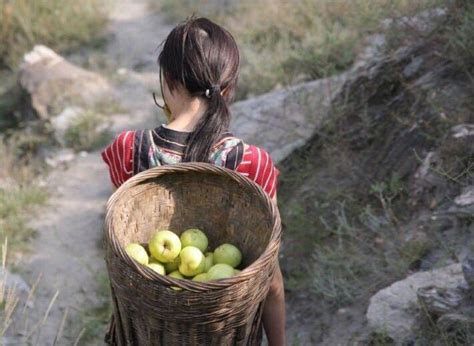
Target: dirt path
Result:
[[67, 252]]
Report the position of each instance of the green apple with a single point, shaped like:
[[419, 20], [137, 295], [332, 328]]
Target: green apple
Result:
[[137, 252], [152, 259], [209, 261], [228, 254], [220, 271], [194, 237], [173, 265], [237, 272], [165, 246], [201, 277], [157, 267], [176, 275], [192, 261]]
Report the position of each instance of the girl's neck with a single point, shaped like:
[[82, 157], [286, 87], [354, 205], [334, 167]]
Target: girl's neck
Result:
[[186, 117]]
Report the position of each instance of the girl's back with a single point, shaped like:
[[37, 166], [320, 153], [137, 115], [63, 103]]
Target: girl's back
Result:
[[135, 151]]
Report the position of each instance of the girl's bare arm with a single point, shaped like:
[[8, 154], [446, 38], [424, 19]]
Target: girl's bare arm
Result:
[[274, 309]]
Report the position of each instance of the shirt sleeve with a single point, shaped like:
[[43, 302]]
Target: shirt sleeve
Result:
[[257, 165], [119, 157]]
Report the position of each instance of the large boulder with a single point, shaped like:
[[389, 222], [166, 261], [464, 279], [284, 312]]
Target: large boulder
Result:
[[395, 310], [283, 120], [52, 83]]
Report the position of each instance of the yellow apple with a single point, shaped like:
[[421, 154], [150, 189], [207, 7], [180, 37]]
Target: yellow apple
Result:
[[157, 267], [137, 252], [165, 246], [192, 261]]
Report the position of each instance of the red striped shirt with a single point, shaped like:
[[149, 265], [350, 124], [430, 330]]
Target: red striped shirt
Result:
[[119, 157], [256, 163]]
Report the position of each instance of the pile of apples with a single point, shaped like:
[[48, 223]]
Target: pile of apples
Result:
[[185, 257]]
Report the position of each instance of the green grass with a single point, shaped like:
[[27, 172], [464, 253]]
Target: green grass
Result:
[[380, 339], [88, 131], [351, 240], [284, 42], [19, 195], [15, 207], [460, 38], [60, 24]]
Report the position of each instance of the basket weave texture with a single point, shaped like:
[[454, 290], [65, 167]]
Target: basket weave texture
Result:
[[229, 208]]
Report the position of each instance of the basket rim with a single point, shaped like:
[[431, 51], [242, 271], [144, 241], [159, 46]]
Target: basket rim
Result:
[[193, 286]]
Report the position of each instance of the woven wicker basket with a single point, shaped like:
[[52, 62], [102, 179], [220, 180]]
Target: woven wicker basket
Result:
[[229, 208]]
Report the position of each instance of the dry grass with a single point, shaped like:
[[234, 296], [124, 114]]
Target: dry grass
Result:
[[8, 296], [460, 39], [15, 314], [19, 194], [285, 42], [60, 24]]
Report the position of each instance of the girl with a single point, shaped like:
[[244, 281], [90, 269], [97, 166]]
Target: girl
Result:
[[199, 66]]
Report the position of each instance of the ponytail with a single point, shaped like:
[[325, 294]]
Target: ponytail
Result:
[[200, 55], [214, 122]]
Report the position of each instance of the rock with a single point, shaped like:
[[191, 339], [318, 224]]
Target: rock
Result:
[[468, 271], [53, 83], [59, 157], [373, 49], [439, 301], [466, 197], [283, 120], [395, 311], [63, 121], [462, 130], [421, 23], [462, 206], [461, 212], [13, 281], [13, 340], [17, 298], [412, 68], [427, 184]]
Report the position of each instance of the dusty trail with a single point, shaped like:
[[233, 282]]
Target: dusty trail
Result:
[[67, 252]]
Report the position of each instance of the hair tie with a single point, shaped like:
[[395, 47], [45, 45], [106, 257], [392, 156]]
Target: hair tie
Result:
[[209, 92]]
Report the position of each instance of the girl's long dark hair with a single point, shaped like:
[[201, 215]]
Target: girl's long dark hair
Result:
[[201, 55]]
